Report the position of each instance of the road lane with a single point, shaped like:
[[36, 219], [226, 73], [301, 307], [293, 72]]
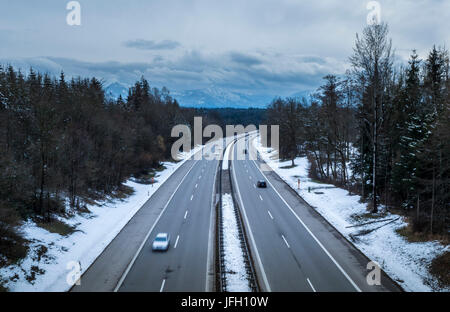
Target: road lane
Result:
[[282, 270], [317, 235], [188, 217], [291, 257]]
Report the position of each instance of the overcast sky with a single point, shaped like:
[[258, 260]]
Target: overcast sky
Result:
[[258, 46]]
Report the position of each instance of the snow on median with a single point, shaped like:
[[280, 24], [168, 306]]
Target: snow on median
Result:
[[236, 274], [405, 262]]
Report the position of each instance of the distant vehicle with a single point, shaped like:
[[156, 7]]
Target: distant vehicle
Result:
[[161, 242], [261, 184]]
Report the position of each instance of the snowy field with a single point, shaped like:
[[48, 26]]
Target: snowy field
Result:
[[405, 262], [94, 231], [236, 275]]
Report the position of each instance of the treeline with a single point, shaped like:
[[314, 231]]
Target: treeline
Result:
[[62, 141], [383, 130]]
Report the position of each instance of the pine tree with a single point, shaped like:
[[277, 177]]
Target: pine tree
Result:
[[410, 129]]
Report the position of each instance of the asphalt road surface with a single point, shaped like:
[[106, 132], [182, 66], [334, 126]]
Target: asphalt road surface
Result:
[[187, 219], [183, 208], [293, 247]]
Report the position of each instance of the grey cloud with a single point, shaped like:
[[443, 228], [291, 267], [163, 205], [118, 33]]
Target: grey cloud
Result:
[[197, 70], [142, 44], [244, 59]]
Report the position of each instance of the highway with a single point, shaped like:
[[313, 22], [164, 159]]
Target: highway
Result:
[[187, 218], [184, 209], [293, 248]]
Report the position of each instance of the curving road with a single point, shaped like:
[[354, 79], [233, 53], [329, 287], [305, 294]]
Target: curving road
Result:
[[293, 247]]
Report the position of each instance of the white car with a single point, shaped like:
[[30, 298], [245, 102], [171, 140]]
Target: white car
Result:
[[161, 242]]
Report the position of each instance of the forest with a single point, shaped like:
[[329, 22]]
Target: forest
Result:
[[63, 143], [382, 130]]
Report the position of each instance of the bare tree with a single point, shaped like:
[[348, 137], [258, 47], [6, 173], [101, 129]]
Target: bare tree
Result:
[[372, 61]]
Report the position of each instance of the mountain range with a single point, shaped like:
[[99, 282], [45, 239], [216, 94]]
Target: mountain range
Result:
[[213, 97]]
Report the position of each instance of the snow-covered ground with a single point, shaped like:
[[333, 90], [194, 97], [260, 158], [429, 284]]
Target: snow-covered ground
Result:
[[236, 275], [405, 262], [94, 231]]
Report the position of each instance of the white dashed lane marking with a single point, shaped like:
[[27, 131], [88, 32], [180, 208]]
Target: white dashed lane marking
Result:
[[176, 242], [285, 241], [162, 286], [310, 284]]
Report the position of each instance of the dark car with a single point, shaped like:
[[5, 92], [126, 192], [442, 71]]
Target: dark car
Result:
[[261, 184]]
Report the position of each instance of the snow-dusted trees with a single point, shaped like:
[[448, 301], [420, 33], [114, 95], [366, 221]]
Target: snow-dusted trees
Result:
[[287, 114], [61, 139], [408, 131], [421, 167], [396, 119], [322, 128], [433, 149]]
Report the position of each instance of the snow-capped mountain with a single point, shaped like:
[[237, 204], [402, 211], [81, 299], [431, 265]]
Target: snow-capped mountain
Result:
[[217, 97], [212, 97], [114, 90]]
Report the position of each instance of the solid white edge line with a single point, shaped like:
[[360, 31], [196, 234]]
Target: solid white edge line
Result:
[[176, 242], [310, 284], [309, 231], [285, 241], [162, 285], [130, 265], [258, 258]]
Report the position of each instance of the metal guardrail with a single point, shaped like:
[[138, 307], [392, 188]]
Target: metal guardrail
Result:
[[221, 280], [249, 265], [220, 263]]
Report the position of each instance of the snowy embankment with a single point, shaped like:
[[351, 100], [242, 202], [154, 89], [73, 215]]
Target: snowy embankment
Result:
[[236, 275], [405, 262], [51, 256]]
